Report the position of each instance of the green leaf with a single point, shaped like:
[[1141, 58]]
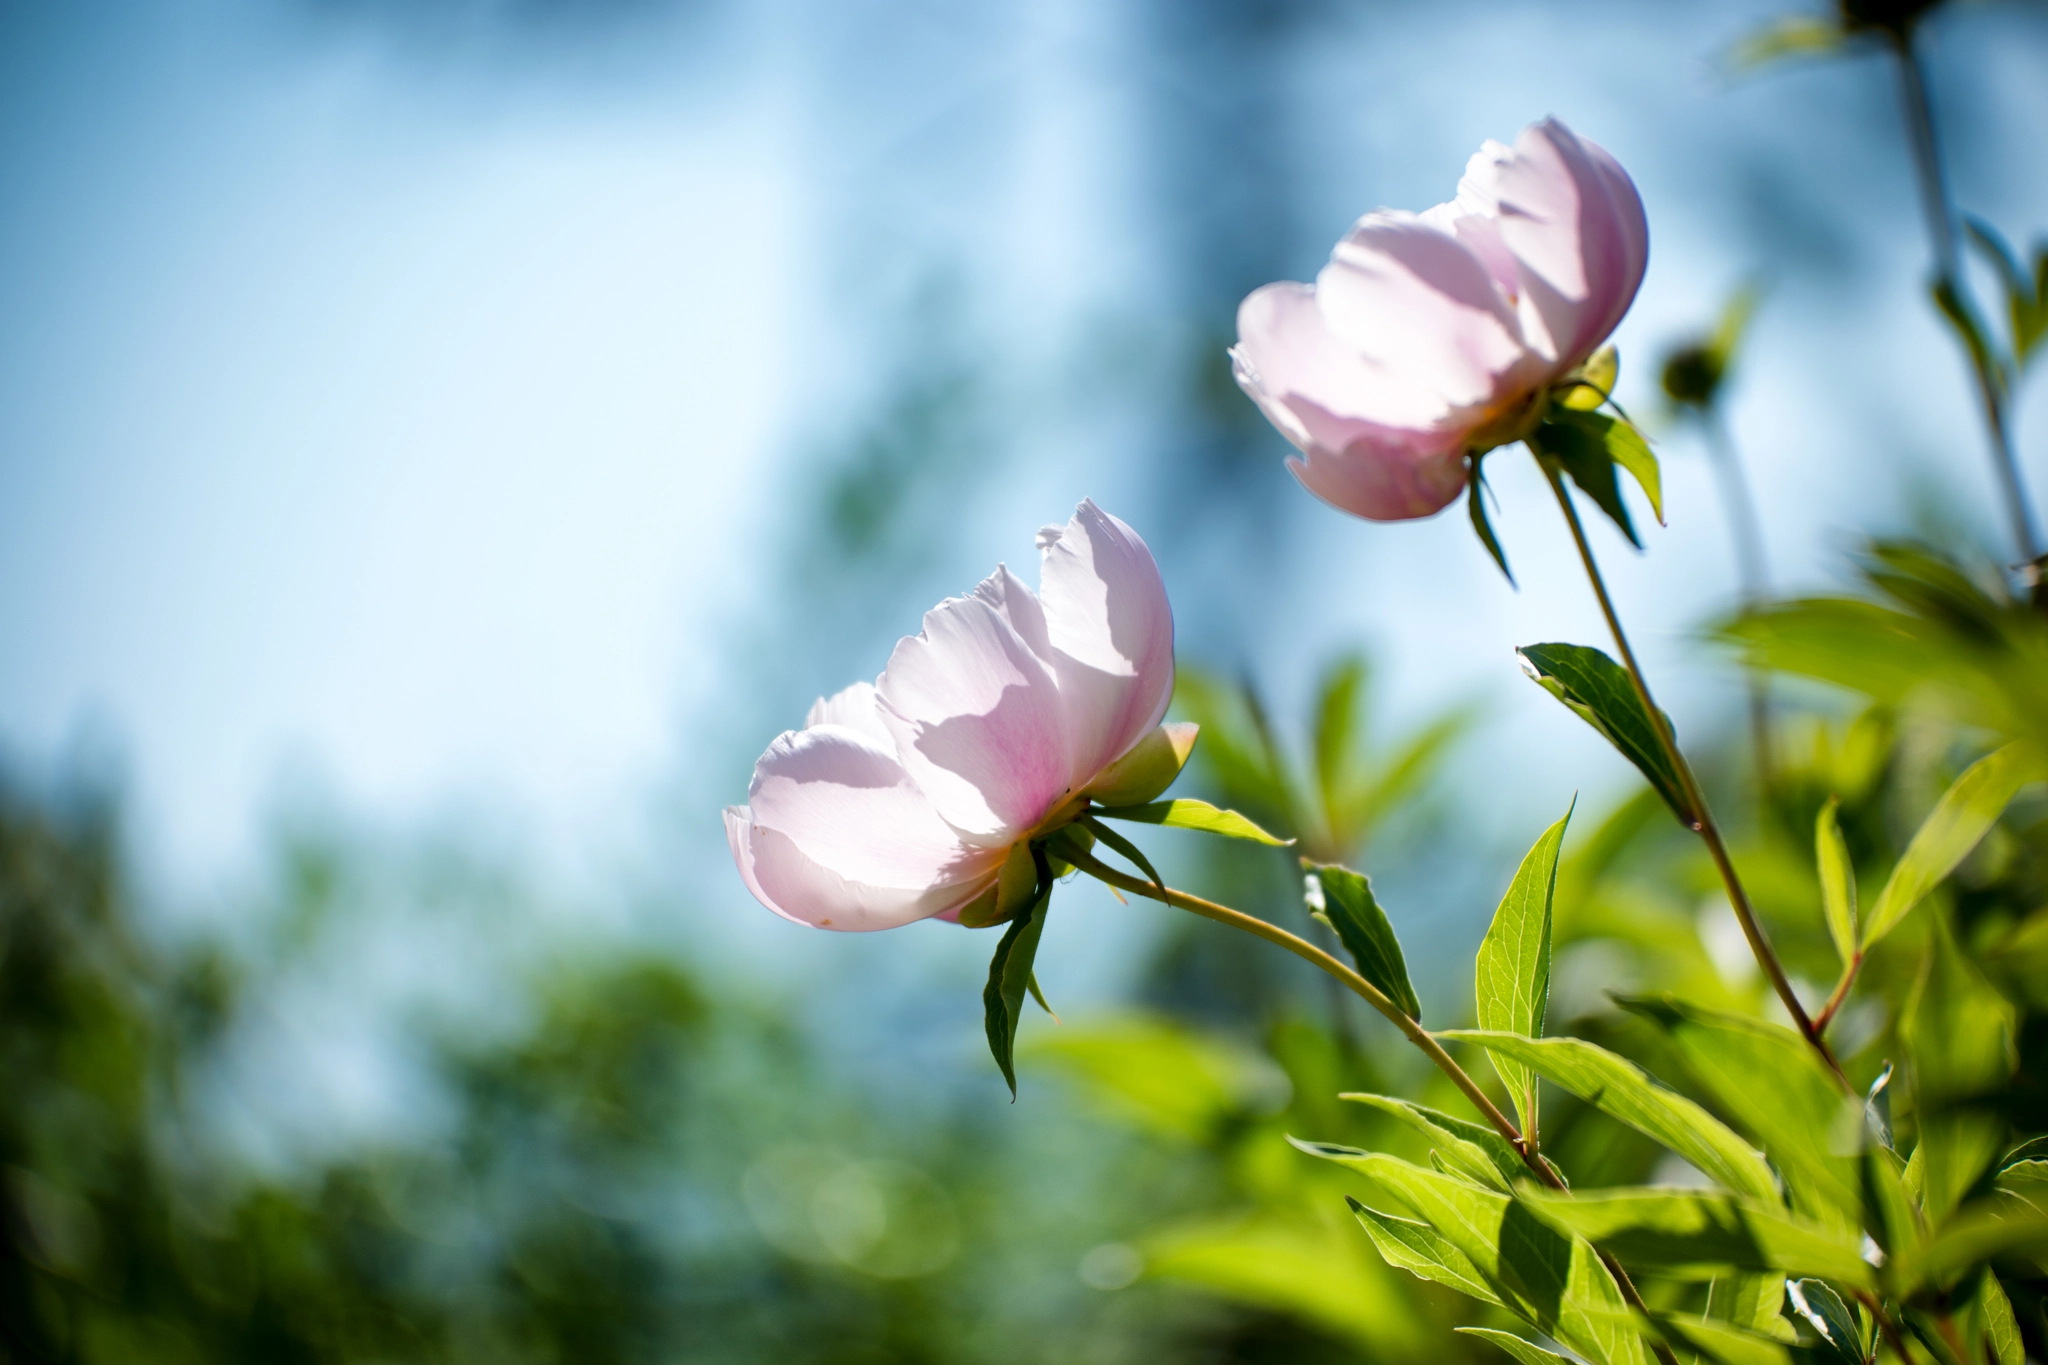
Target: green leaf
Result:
[[1890, 1213], [1512, 973], [1421, 1251], [1753, 1301], [1837, 881], [2002, 1226], [1622, 1090], [1792, 36], [1958, 1032], [1962, 817], [1186, 813], [1565, 442], [1620, 444], [1337, 727], [1600, 692], [1527, 1352], [1552, 1280], [1689, 1233], [1841, 1339], [1343, 899], [1962, 317], [1799, 1117], [1995, 1322], [1721, 1344], [1475, 507], [1009, 977], [1473, 1149]]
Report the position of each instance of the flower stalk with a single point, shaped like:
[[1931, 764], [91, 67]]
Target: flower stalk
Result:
[[1702, 823]]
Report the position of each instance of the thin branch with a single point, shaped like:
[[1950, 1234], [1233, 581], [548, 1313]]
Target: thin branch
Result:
[[1703, 819]]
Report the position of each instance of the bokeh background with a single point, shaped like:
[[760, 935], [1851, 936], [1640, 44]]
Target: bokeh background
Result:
[[442, 442]]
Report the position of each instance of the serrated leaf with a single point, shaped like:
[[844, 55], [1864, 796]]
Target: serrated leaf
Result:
[[1962, 817], [1799, 1117], [1622, 1090], [1552, 1280], [1187, 813], [1837, 881], [1472, 1148], [1475, 507], [1349, 907], [1688, 1233], [1599, 691], [1841, 1340], [1511, 975], [1527, 1352], [1563, 443], [1423, 1252], [1009, 979]]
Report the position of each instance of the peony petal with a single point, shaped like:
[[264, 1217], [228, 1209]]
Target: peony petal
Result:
[[856, 709], [1415, 299], [978, 721], [1575, 224], [1019, 606], [1111, 631], [787, 881], [1384, 483], [1316, 389], [846, 801]]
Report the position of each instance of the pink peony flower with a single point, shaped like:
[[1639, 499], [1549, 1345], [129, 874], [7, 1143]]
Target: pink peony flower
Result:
[[919, 796], [1430, 335]]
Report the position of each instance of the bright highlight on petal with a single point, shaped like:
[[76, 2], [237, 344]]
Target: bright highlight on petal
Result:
[[1432, 335], [907, 799]]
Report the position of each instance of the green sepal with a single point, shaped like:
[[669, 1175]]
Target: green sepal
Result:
[[1348, 906], [1589, 446], [1601, 693], [1482, 526], [1131, 851], [1187, 813], [1009, 974]]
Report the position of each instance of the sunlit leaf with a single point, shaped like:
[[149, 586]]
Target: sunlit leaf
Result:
[[1837, 881], [1550, 1279], [1962, 817], [1690, 1233], [1799, 1117], [1512, 972], [1526, 1352], [2001, 1226], [1595, 381], [1343, 899], [1187, 813], [1752, 1301], [1421, 1251], [1472, 1148], [1621, 1089], [1995, 1322], [1721, 1344], [1600, 692]]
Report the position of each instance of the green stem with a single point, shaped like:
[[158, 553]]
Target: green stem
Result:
[[1941, 216], [1703, 819], [1372, 995]]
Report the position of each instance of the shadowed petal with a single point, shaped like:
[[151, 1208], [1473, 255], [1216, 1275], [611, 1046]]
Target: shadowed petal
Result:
[[1382, 483], [787, 881], [1414, 298], [1316, 388], [978, 721], [1111, 632], [1018, 605]]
